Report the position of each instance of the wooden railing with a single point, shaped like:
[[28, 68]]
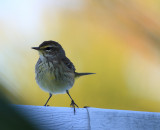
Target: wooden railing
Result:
[[62, 118]]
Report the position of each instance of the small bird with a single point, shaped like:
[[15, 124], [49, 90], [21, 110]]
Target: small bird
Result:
[[55, 73]]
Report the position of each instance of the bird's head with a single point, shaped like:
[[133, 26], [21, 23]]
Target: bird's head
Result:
[[50, 49]]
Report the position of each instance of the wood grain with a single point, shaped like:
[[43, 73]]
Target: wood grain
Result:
[[62, 118]]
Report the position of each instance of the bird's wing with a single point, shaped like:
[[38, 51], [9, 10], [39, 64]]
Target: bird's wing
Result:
[[69, 64]]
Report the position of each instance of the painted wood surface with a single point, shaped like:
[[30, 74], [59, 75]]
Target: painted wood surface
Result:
[[63, 118]]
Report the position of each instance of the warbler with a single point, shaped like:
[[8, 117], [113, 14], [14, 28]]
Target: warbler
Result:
[[55, 73]]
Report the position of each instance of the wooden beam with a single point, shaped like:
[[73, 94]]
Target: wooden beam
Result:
[[62, 118]]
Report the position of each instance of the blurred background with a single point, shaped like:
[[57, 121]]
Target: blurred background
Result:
[[116, 39]]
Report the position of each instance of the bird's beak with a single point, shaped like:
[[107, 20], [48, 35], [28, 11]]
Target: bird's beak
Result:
[[36, 48]]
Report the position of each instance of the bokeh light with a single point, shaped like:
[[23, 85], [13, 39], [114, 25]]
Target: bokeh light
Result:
[[118, 40]]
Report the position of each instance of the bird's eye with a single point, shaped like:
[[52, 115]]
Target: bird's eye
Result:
[[48, 48]]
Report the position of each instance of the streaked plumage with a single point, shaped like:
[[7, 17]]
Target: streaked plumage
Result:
[[54, 77], [55, 73]]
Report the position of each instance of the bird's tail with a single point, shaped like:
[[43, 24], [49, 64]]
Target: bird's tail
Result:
[[82, 74]]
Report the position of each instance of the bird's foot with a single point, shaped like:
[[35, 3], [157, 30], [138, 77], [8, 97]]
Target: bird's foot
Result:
[[46, 105], [73, 104]]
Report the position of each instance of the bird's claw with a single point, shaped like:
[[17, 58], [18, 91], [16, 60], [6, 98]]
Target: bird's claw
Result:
[[73, 104], [46, 105]]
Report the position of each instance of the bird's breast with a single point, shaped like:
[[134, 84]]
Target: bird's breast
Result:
[[53, 78]]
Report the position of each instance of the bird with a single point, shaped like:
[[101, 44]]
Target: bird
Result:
[[54, 72]]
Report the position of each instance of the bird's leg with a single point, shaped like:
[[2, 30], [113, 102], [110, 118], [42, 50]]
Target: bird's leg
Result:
[[73, 104], [50, 95]]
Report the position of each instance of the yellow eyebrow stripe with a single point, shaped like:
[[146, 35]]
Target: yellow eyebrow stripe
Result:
[[45, 47]]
